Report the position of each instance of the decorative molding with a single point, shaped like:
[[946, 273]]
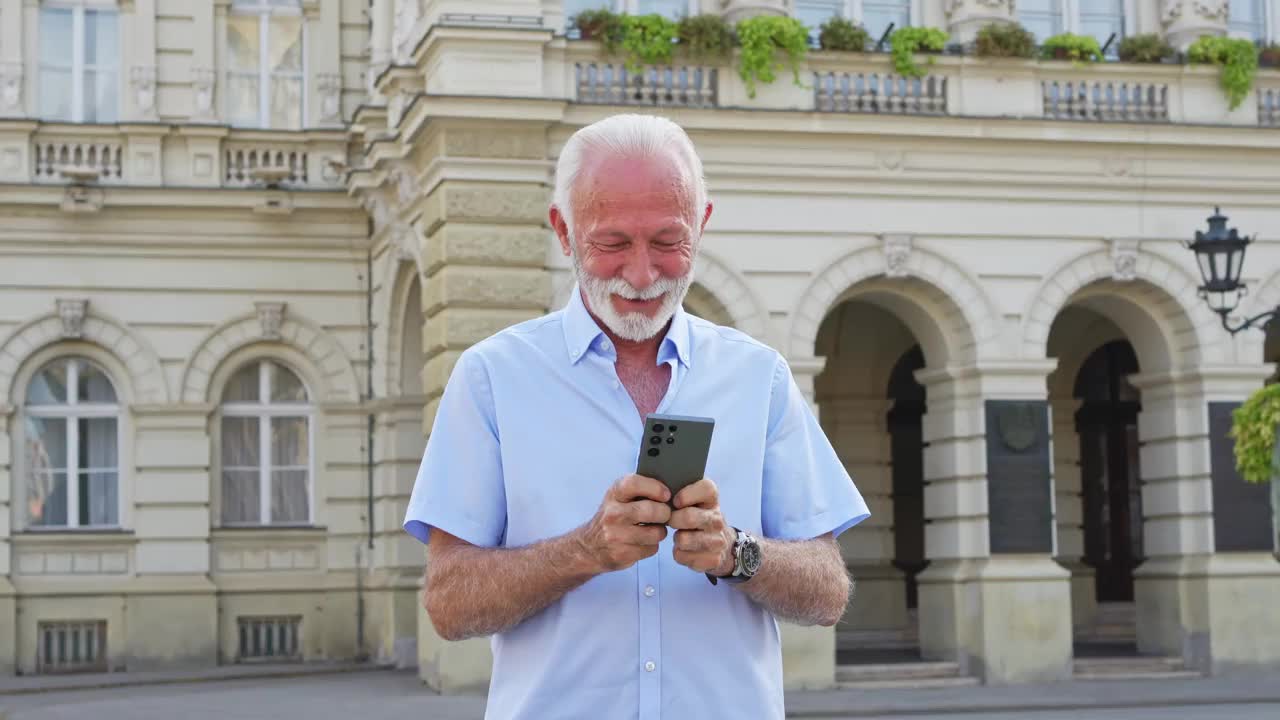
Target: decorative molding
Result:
[[404, 241], [270, 318], [1215, 10], [203, 81], [407, 14], [143, 81], [329, 86], [71, 312], [897, 251], [406, 184], [890, 160], [1124, 253], [11, 88], [953, 7], [1170, 10]]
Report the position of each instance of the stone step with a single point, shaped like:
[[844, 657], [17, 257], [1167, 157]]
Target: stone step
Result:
[[1110, 675], [909, 683], [1130, 668], [897, 671]]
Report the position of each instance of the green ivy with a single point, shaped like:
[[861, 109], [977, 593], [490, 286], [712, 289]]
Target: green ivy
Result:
[[1237, 58], [843, 35], [647, 40], [905, 42], [1076, 48], [761, 38], [1254, 427], [705, 37]]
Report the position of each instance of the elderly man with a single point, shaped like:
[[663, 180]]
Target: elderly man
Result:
[[540, 533]]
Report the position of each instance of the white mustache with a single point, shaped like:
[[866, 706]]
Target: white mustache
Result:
[[624, 289]]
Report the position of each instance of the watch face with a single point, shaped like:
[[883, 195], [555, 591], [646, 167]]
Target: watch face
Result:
[[750, 558]]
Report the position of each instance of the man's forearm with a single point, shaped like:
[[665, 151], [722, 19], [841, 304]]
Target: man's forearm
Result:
[[473, 591], [804, 582]]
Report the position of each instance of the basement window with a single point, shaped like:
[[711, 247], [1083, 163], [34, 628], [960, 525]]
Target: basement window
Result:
[[72, 646], [269, 639]]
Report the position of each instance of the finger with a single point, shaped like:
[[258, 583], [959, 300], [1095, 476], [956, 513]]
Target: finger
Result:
[[639, 487], [702, 493], [695, 541], [644, 535], [701, 562], [648, 511], [695, 518]]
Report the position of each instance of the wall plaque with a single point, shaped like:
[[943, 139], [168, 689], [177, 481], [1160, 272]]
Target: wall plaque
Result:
[[1241, 511], [1019, 493]]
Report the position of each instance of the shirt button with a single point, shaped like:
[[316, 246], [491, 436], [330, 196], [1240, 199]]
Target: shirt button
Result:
[[605, 345], [650, 666], [649, 591]]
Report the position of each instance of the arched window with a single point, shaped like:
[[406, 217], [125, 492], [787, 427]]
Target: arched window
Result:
[[265, 67], [79, 45], [266, 447], [71, 447]]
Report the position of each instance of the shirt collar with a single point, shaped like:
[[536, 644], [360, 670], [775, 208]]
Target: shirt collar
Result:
[[581, 332]]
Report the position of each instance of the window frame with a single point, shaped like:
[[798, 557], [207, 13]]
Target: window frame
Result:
[[264, 412], [1069, 10], [264, 11], [77, 62], [71, 411], [1270, 23], [853, 11]]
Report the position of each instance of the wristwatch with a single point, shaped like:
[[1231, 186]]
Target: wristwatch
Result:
[[746, 559]]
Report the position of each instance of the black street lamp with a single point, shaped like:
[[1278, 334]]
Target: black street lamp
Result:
[[1220, 254]]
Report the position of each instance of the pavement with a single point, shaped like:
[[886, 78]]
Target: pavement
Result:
[[344, 692]]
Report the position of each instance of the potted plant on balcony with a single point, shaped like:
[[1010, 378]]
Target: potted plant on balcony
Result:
[[1004, 40], [1237, 60], [1145, 48], [841, 35], [1269, 56], [905, 42], [705, 37], [1076, 48], [602, 25], [762, 37], [647, 40]]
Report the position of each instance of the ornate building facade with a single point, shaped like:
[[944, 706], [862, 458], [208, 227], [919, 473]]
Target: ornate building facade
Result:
[[234, 290]]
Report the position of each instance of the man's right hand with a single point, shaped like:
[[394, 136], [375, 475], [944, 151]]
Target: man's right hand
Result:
[[615, 539]]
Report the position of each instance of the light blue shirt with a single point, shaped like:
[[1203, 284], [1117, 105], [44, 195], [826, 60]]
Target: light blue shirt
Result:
[[534, 427]]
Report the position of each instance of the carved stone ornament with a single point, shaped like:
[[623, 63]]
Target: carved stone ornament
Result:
[[270, 318], [71, 313], [406, 185], [405, 242], [330, 87], [897, 251], [143, 80], [1124, 253], [1217, 10], [953, 7], [11, 88], [202, 83], [1170, 10]]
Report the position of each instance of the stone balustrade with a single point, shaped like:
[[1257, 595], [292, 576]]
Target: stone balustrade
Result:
[[158, 156]]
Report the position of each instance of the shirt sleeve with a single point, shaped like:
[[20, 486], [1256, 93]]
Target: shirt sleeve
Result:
[[459, 488], [807, 491]]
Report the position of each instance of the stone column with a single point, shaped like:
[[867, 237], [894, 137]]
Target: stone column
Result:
[[1069, 510], [966, 17], [1207, 589], [1186, 20], [856, 427], [483, 245], [170, 502], [992, 598]]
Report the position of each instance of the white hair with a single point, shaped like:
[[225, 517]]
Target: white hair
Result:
[[630, 135]]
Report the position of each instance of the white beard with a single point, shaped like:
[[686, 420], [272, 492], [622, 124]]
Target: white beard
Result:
[[634, 326]]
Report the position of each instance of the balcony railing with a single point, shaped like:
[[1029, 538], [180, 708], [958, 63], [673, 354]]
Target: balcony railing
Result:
[[249, 165], [846, 83], [96, 159]]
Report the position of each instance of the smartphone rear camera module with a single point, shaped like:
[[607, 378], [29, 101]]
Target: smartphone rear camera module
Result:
[[672, 428], [658, 427], [653, 452], [670, 440], [655, 440]]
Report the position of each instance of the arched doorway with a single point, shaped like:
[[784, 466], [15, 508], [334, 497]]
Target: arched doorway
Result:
[[905, 423], [701, 302]]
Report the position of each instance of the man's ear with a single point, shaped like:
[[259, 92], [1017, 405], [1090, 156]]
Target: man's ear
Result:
[[561, 229], [705, 217]]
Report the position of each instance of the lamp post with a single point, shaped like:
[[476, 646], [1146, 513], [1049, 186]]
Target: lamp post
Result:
[[1220, 255]]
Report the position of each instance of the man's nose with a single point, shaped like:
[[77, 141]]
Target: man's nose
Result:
[[639, 270]]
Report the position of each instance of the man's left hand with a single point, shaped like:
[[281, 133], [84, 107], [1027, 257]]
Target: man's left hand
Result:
[[703, 540]]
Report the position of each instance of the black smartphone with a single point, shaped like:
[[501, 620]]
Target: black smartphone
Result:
[[674, 449]]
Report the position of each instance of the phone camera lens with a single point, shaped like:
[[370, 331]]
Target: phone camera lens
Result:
[[672, 428], [657, 428], [653, 452], [670, 440], [655, 440]]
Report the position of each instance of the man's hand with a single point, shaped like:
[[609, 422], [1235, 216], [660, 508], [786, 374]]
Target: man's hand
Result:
[[704, 542], [614, 539]]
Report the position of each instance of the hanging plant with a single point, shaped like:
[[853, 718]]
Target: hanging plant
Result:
[[905, 42], [1237, 58], [705, 37], [761, 38], [1253, 427], [1076, 48], [647, 40]]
